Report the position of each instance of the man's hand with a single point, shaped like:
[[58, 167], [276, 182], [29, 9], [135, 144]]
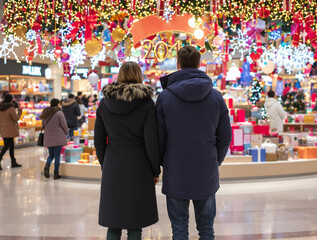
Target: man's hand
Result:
[[156, 179]]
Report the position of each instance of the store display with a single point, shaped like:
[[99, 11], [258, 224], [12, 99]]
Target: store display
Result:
[[258, 154], [282, 153]]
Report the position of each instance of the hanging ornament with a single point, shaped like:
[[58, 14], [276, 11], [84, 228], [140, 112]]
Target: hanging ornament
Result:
[[20, 31], [93, 47], [65, 57], [182, 36], [93, 78], [29, 55], [30, 35], [106, 35], [58, 51], [118, 34], [267, 67], [55, 40]]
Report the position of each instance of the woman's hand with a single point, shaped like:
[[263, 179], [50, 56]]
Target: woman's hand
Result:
[[156, 179]]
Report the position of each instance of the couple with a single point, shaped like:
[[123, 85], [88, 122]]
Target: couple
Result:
[[188, 133]]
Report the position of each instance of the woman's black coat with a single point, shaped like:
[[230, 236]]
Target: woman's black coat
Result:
[[130, 159]]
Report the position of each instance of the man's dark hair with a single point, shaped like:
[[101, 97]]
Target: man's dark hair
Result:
[[188, 57], [71, 96], [79, 94], [271, 93], [8, 98], [78, 100]]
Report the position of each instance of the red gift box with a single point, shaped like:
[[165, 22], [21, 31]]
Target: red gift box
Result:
[[261, 129], [238, 115], [237, 139], [229, 102]]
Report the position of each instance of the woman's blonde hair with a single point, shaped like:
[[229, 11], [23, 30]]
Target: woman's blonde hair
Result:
[[130, 72]]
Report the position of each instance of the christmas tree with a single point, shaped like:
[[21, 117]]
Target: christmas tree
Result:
[[255, 92], [294, 102]]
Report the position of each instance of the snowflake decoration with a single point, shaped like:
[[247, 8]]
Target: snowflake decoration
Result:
[[240, 44], [63, 32], [100, 57], [77, 55], [168, 13], [300, 76], [7, 47], [288, 57], [30, 35]]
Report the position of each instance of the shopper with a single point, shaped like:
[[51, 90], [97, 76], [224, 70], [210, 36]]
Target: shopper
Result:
[[9, 127], [83, 110], [275, 111], [72, 112], [194, 136], [129, 159], [55, 133]]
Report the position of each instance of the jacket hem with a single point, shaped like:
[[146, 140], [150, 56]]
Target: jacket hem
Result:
[[190, 197], [126, 226]]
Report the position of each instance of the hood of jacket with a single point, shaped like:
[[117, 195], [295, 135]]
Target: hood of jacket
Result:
[[269, 102], [5, 106], [122, 98], [47, 112], [69, 102], [190, 84]]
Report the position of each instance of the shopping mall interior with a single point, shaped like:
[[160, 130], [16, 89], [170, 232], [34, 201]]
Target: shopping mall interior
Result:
[[260, 55]]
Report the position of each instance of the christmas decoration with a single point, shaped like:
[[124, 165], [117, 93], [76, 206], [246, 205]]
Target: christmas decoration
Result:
[[7, 48], [93, 78], [294, 102], [255, 92], [30, 35], [240, 44], [118, 34], [93, 47]]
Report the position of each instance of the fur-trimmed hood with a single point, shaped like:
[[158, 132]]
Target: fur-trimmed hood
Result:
[[121, 98], [47, 112], [5, 106], [68, 102], [127, 92]]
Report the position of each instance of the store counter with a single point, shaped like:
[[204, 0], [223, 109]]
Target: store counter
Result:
[[230, 169]]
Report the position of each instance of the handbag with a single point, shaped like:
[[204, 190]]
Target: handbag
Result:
[[40, 140]]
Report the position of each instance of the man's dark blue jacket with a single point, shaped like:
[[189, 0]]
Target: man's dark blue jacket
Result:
[[194, 134]]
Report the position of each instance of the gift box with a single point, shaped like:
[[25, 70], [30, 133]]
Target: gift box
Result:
[[238, 115], [270, 157], [91, 124], [309, 118], [291, 139], [247, 138], [302, 142], [237, 141], [256, 114], [85, 156], [282, 153], [246, 146], [307, 152], [229, 102], [89, 150], [256, 140], [263, 129], [258, 154], [247, 127], [72, 155]]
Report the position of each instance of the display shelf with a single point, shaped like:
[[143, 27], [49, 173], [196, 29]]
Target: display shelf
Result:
[[22, 145], [298, 126], [228, 170]]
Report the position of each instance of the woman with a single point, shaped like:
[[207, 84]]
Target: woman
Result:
[[56, 130], [130, 158], [82, 109], [9, 127]]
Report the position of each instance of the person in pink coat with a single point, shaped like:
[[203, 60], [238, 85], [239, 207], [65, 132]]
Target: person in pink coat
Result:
[[55, 133]]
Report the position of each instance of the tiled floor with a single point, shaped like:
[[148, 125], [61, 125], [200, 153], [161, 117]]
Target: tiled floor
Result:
[[32, 207]]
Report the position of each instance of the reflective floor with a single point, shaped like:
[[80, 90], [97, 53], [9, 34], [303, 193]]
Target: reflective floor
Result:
[[33, 207]]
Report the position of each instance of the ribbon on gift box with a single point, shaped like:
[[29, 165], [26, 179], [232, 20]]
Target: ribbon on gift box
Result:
[[88, 20], [301, 24]]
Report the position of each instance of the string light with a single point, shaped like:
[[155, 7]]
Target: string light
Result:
[[7, 48]]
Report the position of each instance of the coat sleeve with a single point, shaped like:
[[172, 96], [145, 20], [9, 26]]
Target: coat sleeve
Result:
[[281, 111], [161, 127], [63, 123], [151, 139], [223, 132], [15, 116], [100, 137]]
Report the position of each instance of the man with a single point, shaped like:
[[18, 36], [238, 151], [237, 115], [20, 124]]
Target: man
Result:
[[194, 134], [275, 111], [83, 98], [71, 111]]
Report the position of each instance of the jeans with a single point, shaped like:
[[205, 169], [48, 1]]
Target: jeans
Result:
[[71, 132], [115, 234], [205, 212], [8, 144], [54, 152]]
